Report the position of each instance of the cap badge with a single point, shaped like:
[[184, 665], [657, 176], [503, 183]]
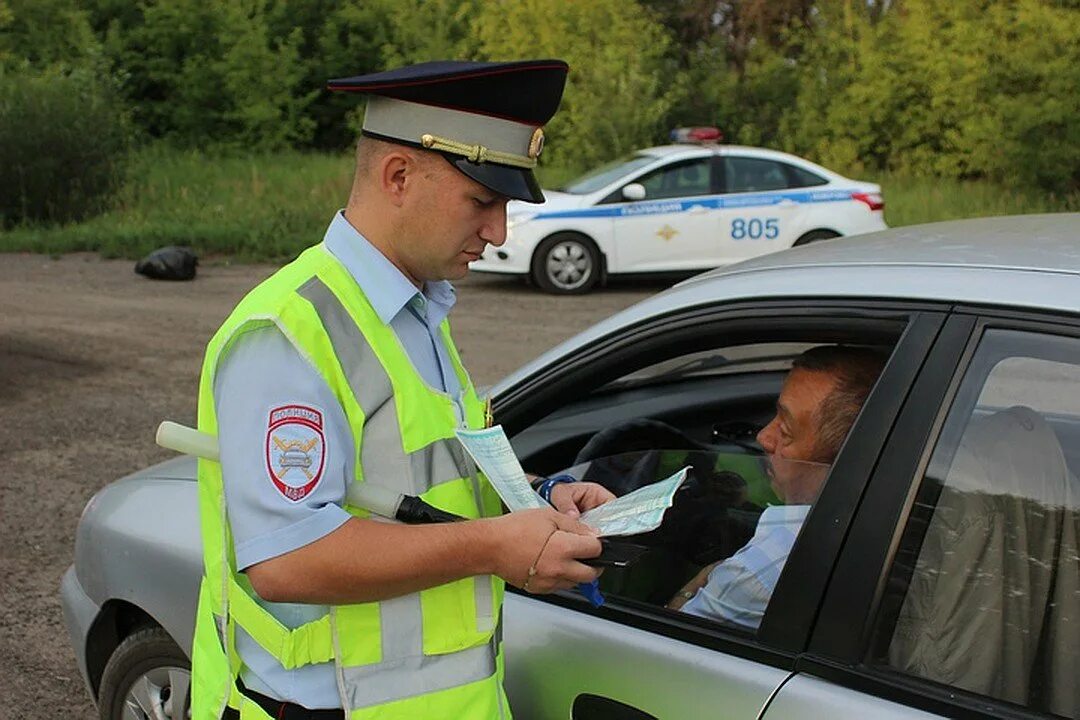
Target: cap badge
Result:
[[536, 144]]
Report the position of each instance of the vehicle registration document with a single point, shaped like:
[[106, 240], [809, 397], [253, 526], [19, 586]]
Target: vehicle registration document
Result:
[[631, 514]]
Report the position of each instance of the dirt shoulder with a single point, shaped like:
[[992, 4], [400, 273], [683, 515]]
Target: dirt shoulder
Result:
[[92, 357]]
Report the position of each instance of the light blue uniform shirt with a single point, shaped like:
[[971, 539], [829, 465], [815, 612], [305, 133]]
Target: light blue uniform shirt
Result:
[[739, 588], [262, 371]]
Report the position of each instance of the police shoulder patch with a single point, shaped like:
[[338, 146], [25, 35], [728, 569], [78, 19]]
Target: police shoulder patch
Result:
[[295, 450]]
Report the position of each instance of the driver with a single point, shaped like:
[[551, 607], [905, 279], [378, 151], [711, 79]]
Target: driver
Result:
[[818, 403]]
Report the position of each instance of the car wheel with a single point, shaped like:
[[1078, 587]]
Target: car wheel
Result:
[[148, 677], [815, 235], [566, 263]]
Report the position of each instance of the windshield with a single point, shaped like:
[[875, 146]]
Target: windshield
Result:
[[606, 174]]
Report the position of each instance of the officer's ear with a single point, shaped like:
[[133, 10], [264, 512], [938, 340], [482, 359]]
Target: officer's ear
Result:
[[398, 171]]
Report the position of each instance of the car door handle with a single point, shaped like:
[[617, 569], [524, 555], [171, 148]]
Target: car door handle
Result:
[[697, 209], [595, 707], [786, 203]]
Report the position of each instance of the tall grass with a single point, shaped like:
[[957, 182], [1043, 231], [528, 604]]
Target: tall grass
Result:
[[259, 207], [910, 201], [269, 207]]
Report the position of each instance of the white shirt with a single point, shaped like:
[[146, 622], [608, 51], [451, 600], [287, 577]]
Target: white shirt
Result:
[[262, 370], [739, 588]]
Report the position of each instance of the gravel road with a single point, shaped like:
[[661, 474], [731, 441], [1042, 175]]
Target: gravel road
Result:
[[92, 357]]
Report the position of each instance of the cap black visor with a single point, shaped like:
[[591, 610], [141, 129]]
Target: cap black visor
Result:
[[515, 183]]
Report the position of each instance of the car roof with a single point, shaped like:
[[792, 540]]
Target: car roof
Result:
[[702, 149], [695, 150], [1025, 262], [1035, 243], [691, 149]]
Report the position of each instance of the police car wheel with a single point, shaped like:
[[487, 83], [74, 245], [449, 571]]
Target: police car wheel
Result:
[[148, 677], [815, 235], [566, 263]]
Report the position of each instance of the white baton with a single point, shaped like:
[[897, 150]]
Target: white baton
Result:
[[373, 498]]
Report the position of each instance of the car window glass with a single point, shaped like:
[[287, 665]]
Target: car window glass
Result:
[[727, 534], [684, 179], [745, 174], [984, 593], [606, 174], [797, 177], [758, 357], [723, 544]]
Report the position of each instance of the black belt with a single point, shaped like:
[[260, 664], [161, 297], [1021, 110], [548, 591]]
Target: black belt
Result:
[[280, 710]]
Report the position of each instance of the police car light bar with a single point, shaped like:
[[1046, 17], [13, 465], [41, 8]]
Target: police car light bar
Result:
[[697, 135]]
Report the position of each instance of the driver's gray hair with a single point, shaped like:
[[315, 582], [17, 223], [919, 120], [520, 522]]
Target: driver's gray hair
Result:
[[855, 369]]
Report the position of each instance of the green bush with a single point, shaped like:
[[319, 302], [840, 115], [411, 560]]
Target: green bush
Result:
[[64, 139], [618, 94]]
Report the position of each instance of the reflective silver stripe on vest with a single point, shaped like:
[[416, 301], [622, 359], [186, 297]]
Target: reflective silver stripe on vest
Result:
[[382, 453], [404, 670], [417, 674]]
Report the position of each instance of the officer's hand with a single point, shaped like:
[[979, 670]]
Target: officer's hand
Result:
[[575, 498], [539, 550]]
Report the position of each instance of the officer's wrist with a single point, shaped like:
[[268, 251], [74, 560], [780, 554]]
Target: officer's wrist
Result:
[[544, 485]]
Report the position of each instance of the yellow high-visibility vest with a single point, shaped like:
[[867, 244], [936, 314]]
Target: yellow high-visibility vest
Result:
[[432, 654]]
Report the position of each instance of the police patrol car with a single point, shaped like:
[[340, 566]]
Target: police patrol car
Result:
[[688, 206]]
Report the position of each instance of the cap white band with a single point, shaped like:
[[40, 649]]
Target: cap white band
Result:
[[481, 138]]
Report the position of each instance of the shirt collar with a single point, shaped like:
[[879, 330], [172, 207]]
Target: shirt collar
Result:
[[386, 287]]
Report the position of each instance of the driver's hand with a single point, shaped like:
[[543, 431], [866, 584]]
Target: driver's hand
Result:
[[577, 497], [690, 589]]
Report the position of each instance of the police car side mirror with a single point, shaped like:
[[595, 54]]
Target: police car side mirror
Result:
[[634, 191]]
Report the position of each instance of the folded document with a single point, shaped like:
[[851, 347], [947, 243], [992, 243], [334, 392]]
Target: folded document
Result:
[[632, 514]]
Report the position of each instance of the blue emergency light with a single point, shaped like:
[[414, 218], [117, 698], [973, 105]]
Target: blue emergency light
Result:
[[697, 135]]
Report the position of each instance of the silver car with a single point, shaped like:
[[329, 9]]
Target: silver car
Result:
[[936, 575]]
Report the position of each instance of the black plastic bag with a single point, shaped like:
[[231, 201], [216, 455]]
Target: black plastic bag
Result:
[[169, 263]]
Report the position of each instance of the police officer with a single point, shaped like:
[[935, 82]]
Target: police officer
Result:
[[340, 370]]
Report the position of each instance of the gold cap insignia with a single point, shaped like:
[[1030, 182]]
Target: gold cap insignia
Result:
[[536, 144]]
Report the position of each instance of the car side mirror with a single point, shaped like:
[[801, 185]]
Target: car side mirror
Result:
[[634, 191]]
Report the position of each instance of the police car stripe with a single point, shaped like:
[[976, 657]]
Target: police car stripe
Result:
[[712, 202]]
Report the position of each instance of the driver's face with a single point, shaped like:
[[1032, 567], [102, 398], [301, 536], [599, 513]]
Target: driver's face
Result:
[[796, 463]]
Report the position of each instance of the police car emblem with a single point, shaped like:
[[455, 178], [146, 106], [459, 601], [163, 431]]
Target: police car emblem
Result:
[[295, 450]]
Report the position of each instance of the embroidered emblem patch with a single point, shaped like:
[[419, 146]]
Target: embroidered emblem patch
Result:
[[295, 450]]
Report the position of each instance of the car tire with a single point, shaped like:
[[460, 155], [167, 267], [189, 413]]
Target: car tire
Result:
[[566, 264], [143, 677], [814, 236]]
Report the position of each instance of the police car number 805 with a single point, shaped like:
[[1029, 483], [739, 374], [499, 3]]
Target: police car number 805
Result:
[[688, 206], [755, 228]]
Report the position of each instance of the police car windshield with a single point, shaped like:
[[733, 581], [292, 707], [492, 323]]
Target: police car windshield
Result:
[[604, 175]]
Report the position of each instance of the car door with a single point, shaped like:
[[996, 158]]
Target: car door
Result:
[[674, 226], [758, 213], [957, 592], [632, 658]]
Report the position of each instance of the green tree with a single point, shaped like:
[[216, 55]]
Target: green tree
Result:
[[211, 73], [362, 37], [618, 94], [262, 77], [1029, 133], [46, 34], [6, 18], [966, 89], [63, 145]]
